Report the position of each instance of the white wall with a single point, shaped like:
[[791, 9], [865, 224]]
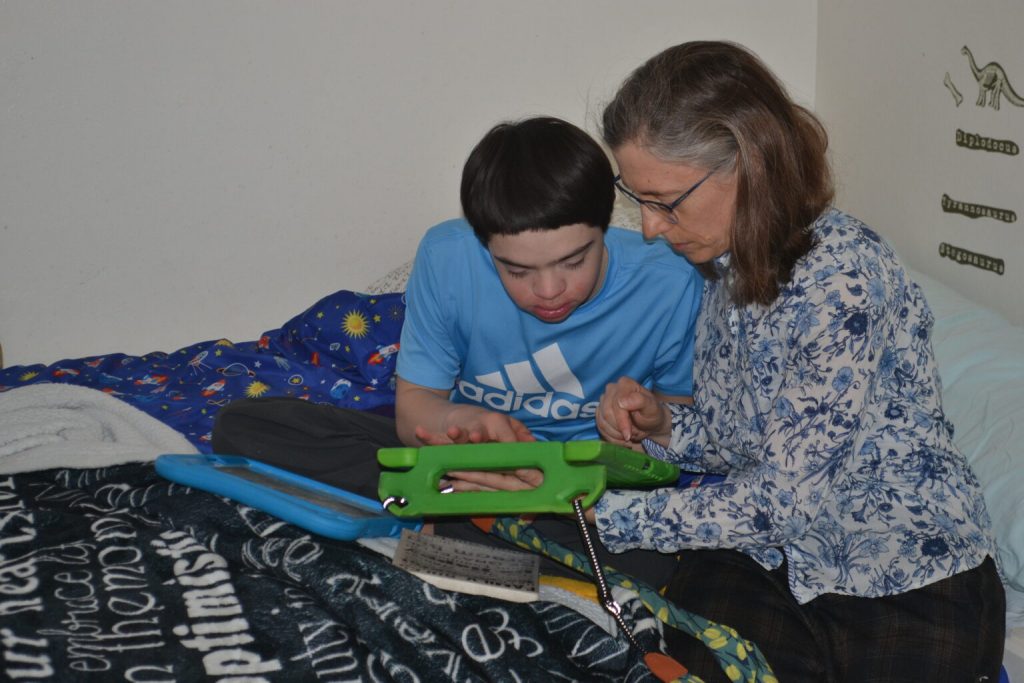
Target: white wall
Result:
[[172, 172], [880, 88]]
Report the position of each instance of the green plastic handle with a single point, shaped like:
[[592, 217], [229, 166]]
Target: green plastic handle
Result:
[[409, 484], [626, 468]]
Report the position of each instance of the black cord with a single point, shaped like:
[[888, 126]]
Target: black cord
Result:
[[603, 592]]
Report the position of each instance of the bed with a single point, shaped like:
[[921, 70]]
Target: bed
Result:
[[110, 571]]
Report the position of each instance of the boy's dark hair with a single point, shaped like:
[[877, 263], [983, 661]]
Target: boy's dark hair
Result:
[[538, 173]]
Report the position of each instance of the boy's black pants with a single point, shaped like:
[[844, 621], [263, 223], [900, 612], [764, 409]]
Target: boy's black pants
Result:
[[339, 447]]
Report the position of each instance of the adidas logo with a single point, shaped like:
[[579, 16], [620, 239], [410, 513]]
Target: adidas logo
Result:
[[524, 390]]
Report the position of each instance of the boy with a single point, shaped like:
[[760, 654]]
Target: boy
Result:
[[516, 319], [520, 315]]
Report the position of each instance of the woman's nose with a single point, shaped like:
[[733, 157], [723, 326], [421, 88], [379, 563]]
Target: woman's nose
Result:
[[653, 223]]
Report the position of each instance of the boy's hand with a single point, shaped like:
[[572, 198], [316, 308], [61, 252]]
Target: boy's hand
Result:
[[629, 413], [426, 417], [475, 425], [481, 480]]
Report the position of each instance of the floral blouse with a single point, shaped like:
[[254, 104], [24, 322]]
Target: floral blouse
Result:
[[824, 411]]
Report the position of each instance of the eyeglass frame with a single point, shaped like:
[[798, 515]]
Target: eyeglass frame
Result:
[[667, 210]]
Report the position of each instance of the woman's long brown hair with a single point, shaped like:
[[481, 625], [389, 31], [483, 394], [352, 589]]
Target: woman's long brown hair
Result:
[[715, 105]]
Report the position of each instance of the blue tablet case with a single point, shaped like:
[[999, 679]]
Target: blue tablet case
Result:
[[304, 502]]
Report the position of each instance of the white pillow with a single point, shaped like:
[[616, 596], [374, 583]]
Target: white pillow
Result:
[[393, 281]]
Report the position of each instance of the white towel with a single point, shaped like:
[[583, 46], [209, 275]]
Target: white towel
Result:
[[64, 425]]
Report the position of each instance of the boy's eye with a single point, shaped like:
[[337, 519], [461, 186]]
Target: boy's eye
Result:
[[515, 273], [573, 265]]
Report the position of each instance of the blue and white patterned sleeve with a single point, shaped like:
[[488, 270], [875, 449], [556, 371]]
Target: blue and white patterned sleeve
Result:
[[695, 452], [780, 414]]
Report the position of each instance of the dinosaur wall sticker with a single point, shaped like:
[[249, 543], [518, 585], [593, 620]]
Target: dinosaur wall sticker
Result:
[[993, 86], [987, 144], [971, 258], [951, 87], [992, 83], [950, 205]]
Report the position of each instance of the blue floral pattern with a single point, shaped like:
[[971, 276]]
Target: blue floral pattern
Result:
[[824, 412]]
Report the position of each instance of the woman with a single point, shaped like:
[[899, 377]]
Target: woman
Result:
[[849, 538]]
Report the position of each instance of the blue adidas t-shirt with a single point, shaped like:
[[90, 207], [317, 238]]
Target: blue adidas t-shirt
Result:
[[463, 332]]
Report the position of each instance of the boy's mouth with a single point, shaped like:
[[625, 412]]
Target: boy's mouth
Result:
[[552, 314]]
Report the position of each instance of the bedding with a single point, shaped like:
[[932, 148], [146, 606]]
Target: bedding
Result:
[[341, 350], [49, 425], [981, 362], [107, 569], [116, 574]]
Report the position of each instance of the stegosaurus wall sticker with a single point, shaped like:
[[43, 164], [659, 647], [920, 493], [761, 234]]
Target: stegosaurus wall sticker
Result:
[[993, 84]]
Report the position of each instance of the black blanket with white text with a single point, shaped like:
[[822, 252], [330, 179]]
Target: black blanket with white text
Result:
[[117, 574]]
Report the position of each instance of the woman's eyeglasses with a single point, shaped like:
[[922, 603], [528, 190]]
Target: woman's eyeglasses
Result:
[[667, 211]]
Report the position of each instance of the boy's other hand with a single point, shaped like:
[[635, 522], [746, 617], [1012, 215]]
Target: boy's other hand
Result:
[[628, 413], [481, 480], [473, 425]]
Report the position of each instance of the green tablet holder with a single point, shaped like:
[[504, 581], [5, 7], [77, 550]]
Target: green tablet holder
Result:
[[411, 478]]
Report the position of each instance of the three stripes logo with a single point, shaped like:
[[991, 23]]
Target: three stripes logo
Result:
[[524, 390]]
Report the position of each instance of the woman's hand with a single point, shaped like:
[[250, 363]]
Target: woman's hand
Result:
[[629, 413]]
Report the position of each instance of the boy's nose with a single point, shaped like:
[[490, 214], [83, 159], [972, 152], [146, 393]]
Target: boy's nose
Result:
[[548, 285]]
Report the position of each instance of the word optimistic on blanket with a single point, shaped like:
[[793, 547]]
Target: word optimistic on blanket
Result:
[[975, 141], [216, 626], [970, 258], [977, 210]]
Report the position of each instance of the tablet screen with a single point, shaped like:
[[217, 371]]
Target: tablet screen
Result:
[[319, 498]]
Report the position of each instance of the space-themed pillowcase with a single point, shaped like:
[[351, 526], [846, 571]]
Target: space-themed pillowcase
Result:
[[349, 329]]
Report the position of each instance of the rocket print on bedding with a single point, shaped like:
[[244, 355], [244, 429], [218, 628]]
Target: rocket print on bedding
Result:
[[341, 351]]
